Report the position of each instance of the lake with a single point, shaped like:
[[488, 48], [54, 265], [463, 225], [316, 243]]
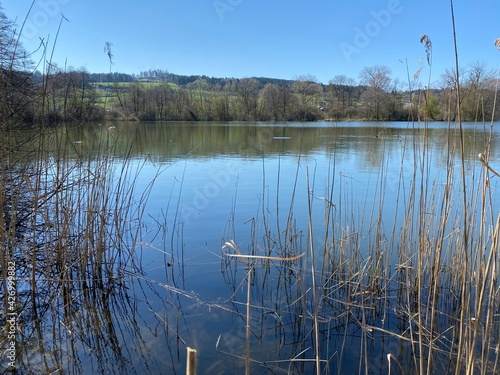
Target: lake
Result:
[[268, 247]]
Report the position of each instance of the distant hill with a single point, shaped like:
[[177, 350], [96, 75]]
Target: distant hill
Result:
[[178, 79]]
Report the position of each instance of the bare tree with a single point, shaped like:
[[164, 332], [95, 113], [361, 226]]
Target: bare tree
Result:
[[308, 93], [340, 91], [163, 97], [269, 102], [478, 93], [378, 81], [15, 88], [200, 98], [286, 102], [248, 89]]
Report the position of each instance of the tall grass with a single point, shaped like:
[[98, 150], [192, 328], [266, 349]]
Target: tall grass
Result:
[[71, 220], [428, 290], [408, 291]]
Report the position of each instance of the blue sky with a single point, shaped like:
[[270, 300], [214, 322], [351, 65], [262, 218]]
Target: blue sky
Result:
[[270, 38]]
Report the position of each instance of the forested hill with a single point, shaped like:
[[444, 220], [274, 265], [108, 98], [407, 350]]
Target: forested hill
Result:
[[164, 76], [178, 79]]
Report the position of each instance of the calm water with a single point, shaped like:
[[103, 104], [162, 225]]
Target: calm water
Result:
[[251, 183]]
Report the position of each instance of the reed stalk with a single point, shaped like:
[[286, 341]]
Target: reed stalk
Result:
[[313, 277]]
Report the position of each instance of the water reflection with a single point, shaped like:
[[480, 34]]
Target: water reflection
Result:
[[165, 141], [138, 274]]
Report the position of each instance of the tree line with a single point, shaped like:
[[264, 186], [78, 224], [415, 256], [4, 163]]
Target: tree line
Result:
[[76, 96]]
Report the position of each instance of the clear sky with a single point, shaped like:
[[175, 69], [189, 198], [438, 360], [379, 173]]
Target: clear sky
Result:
[[264, 38]]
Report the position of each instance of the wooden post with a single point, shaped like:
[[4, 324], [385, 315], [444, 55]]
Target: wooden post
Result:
[[191, 361]]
